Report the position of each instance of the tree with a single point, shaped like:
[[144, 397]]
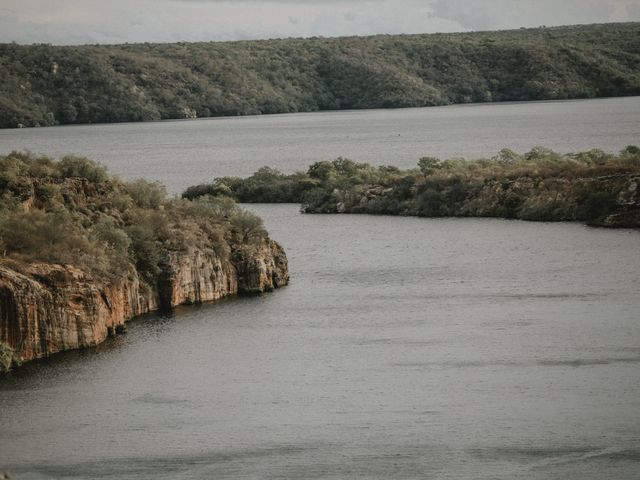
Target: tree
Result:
[[429, 165]]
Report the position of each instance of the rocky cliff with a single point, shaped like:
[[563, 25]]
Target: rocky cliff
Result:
[[47, 308], [81, 252], [50, 308]]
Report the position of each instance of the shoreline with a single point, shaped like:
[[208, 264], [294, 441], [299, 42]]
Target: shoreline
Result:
[[496, 103]]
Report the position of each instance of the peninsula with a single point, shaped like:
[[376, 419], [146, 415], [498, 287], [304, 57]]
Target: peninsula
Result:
[[82, 252], [595, 187]]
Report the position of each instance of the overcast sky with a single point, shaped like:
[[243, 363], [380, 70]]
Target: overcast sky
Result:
[[118, 21]]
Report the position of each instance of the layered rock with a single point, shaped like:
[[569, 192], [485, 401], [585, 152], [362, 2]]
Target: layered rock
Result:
[[46, 308], [196, 276], [51, 308], [262, 272]]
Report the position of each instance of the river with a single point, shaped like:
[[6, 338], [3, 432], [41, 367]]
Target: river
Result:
[[404, 348], [188, 152]]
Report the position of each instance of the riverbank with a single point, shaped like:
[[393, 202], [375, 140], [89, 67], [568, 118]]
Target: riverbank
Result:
[[54, 85], [594, 187], [84, 252]]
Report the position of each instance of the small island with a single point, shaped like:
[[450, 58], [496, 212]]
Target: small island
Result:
[[82, 252], [541, 185]]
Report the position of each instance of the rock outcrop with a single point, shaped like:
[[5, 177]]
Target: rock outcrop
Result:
[[47, 308], [82, 252]]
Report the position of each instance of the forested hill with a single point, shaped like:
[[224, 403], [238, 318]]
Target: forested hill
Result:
[[47, 85]]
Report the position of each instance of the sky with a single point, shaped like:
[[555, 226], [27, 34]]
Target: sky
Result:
[[118, 21]]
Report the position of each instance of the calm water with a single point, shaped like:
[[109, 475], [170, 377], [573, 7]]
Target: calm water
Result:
[[184, 153], [404, 348]]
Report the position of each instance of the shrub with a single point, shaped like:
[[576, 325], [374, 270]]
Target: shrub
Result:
[[48, 194], [595, 204], [630, 150], [428, 165], [7, 357], [430, 203], [146, 252], [72, 166], [211, 189], [511, 205], [246, 227], [146, 194]]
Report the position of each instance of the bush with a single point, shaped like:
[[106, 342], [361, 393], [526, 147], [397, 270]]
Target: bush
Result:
[[594, 205], [146, 252], [246, 227], [72, 166], [48, 194], [211, 189], [428, 165], [7, 357], [146, 194]]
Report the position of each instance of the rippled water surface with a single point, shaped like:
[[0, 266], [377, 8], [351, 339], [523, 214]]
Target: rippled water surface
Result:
[[184, 153], [404, 348]]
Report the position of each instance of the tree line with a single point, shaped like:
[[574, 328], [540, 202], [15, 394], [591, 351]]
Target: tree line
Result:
[[48, 85], [594, 186]]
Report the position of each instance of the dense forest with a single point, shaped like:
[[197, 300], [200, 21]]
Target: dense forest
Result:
[[48, 85], [595, 187]]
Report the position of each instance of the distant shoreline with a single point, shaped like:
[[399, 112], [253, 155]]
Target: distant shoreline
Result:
[[47, 85], [353, 110]]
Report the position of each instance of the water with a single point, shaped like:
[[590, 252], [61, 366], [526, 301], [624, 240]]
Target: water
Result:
[[189, 152], [404, 348]]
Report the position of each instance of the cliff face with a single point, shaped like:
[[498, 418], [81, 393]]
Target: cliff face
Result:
[[46, 308], [262, 272], [51, 308], [196, 276]]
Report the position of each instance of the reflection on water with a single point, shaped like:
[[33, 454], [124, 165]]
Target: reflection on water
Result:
[[403, 348]]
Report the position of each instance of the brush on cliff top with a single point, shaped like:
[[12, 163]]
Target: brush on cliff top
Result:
[[73, 212]]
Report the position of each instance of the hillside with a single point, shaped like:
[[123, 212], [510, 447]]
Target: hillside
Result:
[[49, 85]]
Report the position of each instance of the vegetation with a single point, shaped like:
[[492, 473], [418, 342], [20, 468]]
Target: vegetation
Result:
[[593, 186], [72, 212], [48, 85], [7, 358]]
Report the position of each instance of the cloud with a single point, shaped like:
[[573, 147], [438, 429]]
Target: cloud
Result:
[[500, 14], [117, 21], [296, 2], [78, 21]]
